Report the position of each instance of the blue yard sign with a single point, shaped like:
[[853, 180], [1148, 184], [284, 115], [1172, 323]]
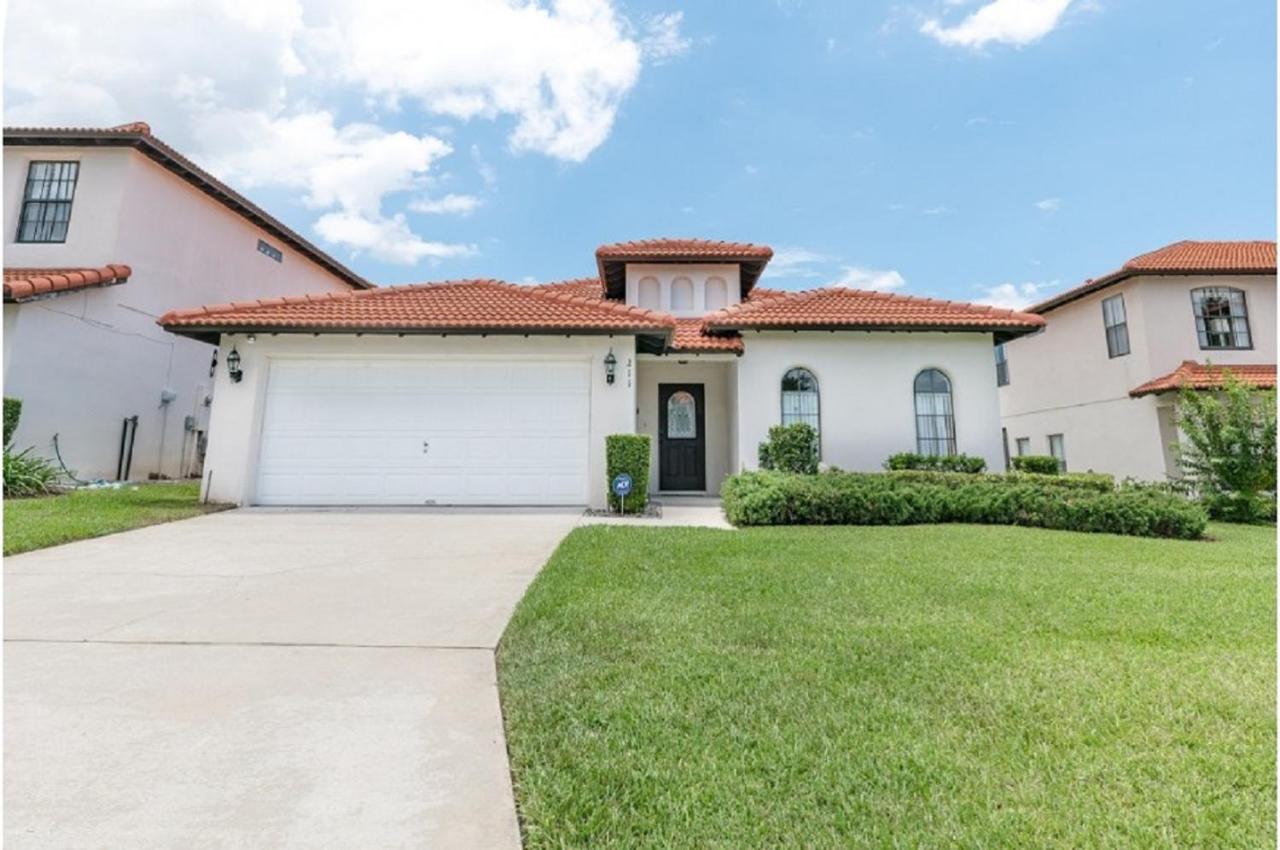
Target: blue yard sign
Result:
[[622, 485]]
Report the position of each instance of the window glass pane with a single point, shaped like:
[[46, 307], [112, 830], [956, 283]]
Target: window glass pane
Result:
[[46, 206], [800, 398], [935, 424], [1222, 317], [682, 416]]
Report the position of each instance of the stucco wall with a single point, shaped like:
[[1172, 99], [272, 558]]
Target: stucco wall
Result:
[[866, 392], [231, 466], [716, 376], [640, 275], [1062, 380], [84, 361]]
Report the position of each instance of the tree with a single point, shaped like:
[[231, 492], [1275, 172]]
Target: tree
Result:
[[1228, 454]]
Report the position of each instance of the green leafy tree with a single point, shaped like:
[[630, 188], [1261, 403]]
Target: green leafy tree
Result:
[[1228, 453]]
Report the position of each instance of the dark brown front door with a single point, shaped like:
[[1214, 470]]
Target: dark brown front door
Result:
[[682, 437]]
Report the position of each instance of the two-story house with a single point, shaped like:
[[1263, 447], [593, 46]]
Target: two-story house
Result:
[[1096, 387], [104, 231], [483, 392]]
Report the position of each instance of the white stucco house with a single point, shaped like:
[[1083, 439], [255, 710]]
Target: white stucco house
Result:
[[483, 392], [1096, 387], [104, 231]]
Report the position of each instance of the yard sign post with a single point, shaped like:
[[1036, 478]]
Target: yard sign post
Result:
[[621, 487]]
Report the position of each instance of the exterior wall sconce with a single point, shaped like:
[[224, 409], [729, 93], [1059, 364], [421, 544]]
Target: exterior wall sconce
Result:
[[610, 366], [233, 366]]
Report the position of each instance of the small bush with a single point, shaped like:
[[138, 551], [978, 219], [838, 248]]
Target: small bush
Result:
[[941, 463], [1040, 464], [846, 498], [790, 448], [12, 413], [26, 474], [1253, 508], [628, 453]]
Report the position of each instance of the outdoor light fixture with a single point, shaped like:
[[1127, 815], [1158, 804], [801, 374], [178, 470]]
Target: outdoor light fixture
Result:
[[610, 364], [233, 366], [213, 364]]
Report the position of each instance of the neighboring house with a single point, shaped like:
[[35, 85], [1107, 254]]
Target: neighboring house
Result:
[[1097, 386], [105, 230], [483, 392]]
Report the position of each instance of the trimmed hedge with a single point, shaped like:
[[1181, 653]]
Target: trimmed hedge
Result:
[[850, 498], [1097, 481], [12, 413], [628, 453], [1041, 464], [940, 463], [790, 448]]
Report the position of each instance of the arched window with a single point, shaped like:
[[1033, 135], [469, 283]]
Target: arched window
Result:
[[800, 398], [935, 423], [650, 293], [682, 294], [717, 293], [1222, 319], [682, 416]]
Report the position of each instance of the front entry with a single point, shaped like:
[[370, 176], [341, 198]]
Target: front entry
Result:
[[682, 437]]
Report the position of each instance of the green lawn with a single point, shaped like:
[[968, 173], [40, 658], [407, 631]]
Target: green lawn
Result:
[[50, 520], [927, 686]]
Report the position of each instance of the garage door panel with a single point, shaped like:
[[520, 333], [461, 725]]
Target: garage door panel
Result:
[[353, 433]]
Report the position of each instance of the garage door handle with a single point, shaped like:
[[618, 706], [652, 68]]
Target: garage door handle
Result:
[[426, 446]]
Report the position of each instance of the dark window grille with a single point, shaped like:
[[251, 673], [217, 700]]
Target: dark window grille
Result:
[[935, 422], [1002, 366], [46, 203], [1222, 318], [1116, 325], [271, 251], [800, 398]]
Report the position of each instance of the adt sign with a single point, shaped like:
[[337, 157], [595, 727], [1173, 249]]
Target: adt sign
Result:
[[622, 485]]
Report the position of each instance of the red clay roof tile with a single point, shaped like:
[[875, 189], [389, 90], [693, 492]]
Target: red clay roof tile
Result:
[[692, 336], [611, 260], [838, 307], [26, 284], [1205, 376], [1185, 257]]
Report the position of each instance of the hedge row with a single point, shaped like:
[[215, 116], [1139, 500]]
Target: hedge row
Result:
[[1100, 482], [851, 498], [940, 463], [1042, 464]]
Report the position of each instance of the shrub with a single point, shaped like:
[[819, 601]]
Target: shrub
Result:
[[1097, 481], [942, 463], [12, 413], [790, 448], [628, 453], [26, 474], [1039, 464], [1229, 457], [846, 498]]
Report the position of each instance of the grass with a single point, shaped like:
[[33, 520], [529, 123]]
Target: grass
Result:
[[927, 686], [81, 514]]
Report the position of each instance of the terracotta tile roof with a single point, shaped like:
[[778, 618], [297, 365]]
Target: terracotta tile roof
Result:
[[611, 259], [24, 284], [692, 336], [1185, 257], [581, 287], [460, 305], [137, 135], [1205, 376], [838, 307]]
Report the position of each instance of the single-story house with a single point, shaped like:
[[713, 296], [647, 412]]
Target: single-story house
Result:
[[484, 392]]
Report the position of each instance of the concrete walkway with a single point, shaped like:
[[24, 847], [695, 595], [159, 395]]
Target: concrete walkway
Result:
[[696, 511], [259, 678]]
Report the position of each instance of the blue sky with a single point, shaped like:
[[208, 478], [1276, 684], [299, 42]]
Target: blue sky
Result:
[[937, 148]]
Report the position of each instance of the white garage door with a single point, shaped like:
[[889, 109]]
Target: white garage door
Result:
[[413, 432]]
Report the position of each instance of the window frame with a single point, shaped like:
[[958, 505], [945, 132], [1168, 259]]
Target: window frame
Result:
[[1022, 446], [1116, 328], [802, 417], [1002, 365], [1062, 446], [950, 442], [1202, 321], [28, 201]]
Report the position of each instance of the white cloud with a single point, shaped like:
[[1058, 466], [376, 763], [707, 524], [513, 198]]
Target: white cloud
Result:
[[936, 210], [1015, 22], [1048, 204], [252, 89], [1014, 296], [387, 239], [662, 40], [797, 262], [858, 277], [448, 205]]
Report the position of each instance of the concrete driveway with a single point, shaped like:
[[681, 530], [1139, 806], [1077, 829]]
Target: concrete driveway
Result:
[[260, 678]]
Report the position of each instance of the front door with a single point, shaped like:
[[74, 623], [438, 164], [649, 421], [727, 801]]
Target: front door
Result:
[[682, 437]]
